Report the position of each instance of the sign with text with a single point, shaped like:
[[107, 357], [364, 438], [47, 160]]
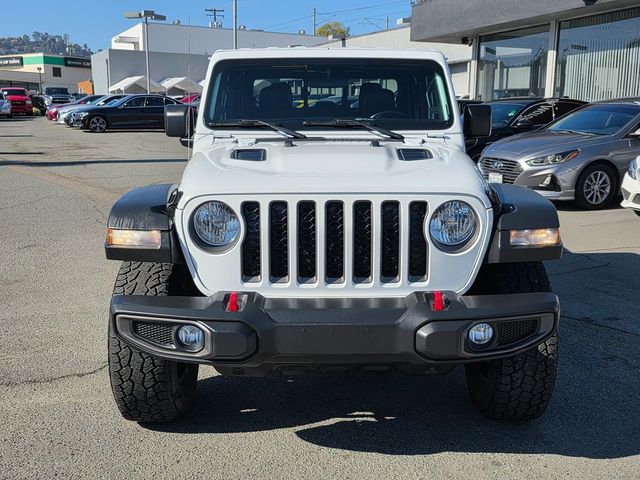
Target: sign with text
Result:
[[77, 62], [11, 61]]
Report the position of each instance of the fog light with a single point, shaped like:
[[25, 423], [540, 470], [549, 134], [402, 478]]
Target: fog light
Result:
[[191, 338], [481, 334]]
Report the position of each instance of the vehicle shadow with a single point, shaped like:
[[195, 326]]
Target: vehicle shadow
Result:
[[593, 413]]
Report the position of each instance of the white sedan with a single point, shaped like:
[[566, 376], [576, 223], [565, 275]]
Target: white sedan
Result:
[[631, 187]]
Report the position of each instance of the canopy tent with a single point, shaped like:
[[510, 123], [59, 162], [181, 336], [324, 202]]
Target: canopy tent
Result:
[[137, 84], [180, 86]]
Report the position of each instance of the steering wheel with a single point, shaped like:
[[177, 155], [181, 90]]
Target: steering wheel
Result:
[[390, 114]]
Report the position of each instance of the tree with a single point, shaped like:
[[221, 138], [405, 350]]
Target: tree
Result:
[[337, 29]]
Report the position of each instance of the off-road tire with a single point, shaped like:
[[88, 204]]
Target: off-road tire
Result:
[[146, 388], [517, 387]]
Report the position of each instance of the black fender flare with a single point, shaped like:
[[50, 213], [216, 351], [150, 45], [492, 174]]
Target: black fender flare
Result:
[[520, 208], [147, 208]]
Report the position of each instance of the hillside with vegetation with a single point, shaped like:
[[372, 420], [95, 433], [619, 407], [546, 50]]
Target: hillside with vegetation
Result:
[[43, 43]]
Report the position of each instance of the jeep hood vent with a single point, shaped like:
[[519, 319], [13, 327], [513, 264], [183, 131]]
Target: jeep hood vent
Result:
[[411, 154], [249, 154]]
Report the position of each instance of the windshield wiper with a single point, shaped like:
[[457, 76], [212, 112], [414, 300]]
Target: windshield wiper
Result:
[[575, 131], [341, 123], [260, 123]]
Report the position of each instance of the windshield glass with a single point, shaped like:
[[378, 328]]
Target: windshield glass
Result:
[[15, 91], [56, 91], [502, 113], [597, 119], [393, 94]]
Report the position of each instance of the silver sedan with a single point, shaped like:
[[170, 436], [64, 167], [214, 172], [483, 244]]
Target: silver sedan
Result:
[[581, 156]]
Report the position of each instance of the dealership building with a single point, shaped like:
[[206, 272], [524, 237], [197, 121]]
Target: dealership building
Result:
[[178, 56], [583, 49], [458, 56], [29, 69]]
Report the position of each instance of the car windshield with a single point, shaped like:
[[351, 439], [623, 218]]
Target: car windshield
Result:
[[15, 91], [502, 113], [56, 91], [600, 119], [405, 95]]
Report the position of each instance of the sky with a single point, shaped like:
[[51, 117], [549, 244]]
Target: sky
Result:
[[94, 22]]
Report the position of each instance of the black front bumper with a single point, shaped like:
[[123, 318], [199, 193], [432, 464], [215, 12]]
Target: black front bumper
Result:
[[269, 333]]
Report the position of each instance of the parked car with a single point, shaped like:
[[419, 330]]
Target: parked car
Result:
[[63, 111], [580, 157], [20, 101], [57, 96], [132, 111], [190, 98], [631, 186], [106, 100], [303, 240], [518, 115], [5, 106]]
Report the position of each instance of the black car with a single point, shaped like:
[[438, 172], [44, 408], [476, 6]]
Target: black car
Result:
[[132, 111], [518, 115]]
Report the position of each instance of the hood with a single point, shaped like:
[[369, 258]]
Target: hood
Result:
[[540, 143], [331, 167]]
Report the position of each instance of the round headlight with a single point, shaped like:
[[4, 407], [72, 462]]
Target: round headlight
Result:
[[216, 224], [453, 223]]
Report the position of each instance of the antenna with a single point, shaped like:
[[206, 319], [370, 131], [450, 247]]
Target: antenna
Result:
[[215, 13]]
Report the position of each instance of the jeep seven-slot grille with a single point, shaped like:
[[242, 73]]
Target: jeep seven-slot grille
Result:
[[358, 242], [509, 169]]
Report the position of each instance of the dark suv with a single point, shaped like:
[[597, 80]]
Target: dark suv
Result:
[[518, 115]]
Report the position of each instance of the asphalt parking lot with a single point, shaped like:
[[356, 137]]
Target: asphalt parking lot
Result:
[[58, 418]]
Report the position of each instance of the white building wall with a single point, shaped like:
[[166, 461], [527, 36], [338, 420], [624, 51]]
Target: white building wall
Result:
[[169, 38]]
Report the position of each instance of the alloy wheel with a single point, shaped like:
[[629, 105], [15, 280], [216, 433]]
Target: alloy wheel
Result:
[[97, 124], [597, 187]]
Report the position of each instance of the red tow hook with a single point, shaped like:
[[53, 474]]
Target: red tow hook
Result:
[[438, 301], [232, 303]]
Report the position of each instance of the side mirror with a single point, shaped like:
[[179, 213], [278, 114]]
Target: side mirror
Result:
[[477, 121], [523, 124], [175, 120]]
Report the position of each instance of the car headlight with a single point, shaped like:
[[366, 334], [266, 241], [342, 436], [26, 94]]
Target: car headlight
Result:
[[48, 100], [80, 115], [633, 169], [453, 224], [554, 159], [216, 224]]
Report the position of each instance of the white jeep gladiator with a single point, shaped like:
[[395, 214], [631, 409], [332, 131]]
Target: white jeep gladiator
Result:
[[329, 220]]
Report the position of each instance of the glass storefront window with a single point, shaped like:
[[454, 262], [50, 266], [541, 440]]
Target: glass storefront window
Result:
[[513, 64], [599, 56]]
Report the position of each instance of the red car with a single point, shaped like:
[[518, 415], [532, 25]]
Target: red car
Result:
[[191, 98], [20, 101]]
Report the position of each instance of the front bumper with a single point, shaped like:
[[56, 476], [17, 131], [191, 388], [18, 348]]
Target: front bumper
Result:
[[630, 193], [295, 334], [17, 109]]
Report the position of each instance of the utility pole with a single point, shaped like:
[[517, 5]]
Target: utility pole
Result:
[[215, 13], [235, 24], [315, 20]]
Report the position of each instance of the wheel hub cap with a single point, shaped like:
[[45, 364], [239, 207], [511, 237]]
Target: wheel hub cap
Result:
[[597, 187]]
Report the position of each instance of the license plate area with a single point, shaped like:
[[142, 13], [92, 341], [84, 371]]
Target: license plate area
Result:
[[495, 177]]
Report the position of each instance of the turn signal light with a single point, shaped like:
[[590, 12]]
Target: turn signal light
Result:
[[133, 238], [541, 237]]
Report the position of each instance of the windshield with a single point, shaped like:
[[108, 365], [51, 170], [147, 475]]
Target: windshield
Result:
[[409, 95], [56, 91], [502, 113], [15, 91], [602, 119]]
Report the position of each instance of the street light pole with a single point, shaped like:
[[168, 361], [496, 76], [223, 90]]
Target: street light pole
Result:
[[235, 24], [146, 15], [146, 51], [40, 80]]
